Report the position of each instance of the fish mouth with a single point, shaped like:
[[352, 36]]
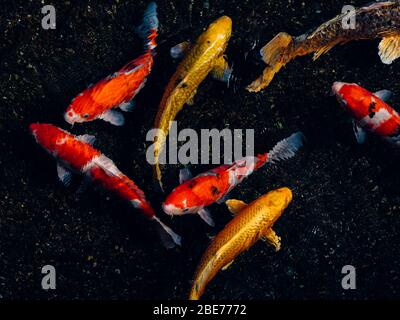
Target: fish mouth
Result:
[[337, 86], [68, 119], [33, 128], [71, 117], [170, 209]]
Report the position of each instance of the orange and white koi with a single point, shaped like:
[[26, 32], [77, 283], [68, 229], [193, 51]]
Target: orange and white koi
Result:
[[119, 89], [75, 154], [194, 194], [369, 110]]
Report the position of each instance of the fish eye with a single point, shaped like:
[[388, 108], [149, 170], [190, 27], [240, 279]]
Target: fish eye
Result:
[[86, 116], [186, 210]]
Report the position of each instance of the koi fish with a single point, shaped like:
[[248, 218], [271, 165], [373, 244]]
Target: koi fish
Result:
[[75, 154], [118, 90], [369, 110], [250, 223], [206, 56], [195, 194], [378, 20]]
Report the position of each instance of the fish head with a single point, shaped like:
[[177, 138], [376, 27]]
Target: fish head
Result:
[[280, 198], [353, 98], [181, 201], [48, 136], [218, 33], [79, 110]]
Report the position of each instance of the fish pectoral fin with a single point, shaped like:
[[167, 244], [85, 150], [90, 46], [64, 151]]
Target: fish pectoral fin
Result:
[[223, 199], [180, 50], [394, 140], [83, 187], [222, 71], [127, 106], [190, 101], [389, 49], [273, 239], [322, 51], [64, 175], [87, 138], [235, 206], [184, 175], [227, 265], [114, 117], [359, 132], [206, 216], [384, 95]]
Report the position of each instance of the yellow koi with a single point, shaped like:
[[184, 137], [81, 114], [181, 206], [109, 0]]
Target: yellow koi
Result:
[[206, 56], [251, 223]]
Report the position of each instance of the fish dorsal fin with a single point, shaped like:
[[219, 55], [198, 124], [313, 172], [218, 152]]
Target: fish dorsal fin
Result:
[[235, 206], [87, 138], [64, 175], [359, 132], [384, 95], [206, 216], [108, 166], [114, 117], [389, 49], [184, 175]]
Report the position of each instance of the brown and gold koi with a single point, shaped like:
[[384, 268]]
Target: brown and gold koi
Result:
[[378, 20]]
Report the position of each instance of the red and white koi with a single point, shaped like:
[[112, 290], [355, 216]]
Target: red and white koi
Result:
[[194, 194], [118, 90], [75, 154], [369, 110]]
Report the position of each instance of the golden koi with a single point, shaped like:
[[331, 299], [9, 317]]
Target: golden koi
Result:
[[378, 20], [251, 223], [206, 56]]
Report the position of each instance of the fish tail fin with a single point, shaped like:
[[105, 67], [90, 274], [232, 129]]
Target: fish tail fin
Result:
[[148, 30], [168, 237], [276, 54], [194, 294], [157, 177], [286, 148], [277, 48]]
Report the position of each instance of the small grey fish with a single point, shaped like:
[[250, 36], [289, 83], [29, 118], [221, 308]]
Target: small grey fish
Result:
[[378, 20]]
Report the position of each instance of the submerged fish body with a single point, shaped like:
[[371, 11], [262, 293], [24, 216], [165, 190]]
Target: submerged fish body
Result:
[[99, 101], [76, 154], [193, 195], [369, 111], [250, 223], [378, 20], [205, 56]]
